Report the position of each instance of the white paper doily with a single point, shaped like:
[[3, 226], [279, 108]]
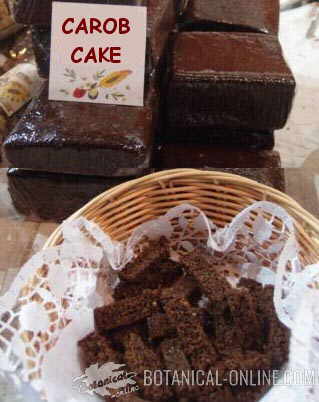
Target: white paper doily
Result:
[[50, 304]]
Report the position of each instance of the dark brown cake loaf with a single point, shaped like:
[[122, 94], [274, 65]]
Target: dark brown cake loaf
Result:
[[231, 15], [273, 177], [234, 80], [63, 137], [74, 192], [38, 12], [161, 18], [262, 166], [245, 140], [224, 329], [41, 39]]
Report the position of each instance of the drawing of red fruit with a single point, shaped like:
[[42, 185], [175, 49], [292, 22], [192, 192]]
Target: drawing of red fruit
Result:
[[79, 92]]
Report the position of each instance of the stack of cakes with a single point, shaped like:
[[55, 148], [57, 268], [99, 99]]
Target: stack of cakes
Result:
[[217, 87], [67, 152], [228, 85]]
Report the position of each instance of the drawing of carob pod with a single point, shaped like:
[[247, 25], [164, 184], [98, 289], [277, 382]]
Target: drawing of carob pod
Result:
[[114, 78]]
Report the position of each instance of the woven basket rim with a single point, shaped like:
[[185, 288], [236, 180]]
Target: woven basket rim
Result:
[[301, 216]]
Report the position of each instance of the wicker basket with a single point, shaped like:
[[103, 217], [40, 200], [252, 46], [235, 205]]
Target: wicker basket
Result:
[[220, 195]]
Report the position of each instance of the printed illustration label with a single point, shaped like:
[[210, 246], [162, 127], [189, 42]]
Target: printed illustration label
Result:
[[98, 53]]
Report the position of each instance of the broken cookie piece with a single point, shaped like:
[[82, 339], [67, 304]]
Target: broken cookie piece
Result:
[[140, 358], [127, 311], [96, 348]]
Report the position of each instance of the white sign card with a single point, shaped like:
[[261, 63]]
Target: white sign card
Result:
[[98, 53]]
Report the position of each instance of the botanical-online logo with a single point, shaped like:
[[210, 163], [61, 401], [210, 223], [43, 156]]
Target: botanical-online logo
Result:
[[107, 380]]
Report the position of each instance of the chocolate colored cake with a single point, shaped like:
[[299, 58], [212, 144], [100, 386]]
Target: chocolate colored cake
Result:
[[84, 138], [201, 155], [231, 15], [161, 19], [38, 12], [53, 196], [41, 39], [233, 80], [76, 190], [208, 136], [167, 329], [272, 177], [262, 166]]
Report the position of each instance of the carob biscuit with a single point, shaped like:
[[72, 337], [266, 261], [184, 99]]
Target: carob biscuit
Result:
[[250, 394], [277, 335], [200, 266], [220, 395], [231, 15], [128, 289], [137, 269], [159, 326], [128, 398], [235, 80], [140, 357], [158, 275], [195, 342], [251, 361], [177, 336], [176, 361], [152, 269], [119, 334], [96, 348], [226, 337], [127, 311], [184, 287]]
